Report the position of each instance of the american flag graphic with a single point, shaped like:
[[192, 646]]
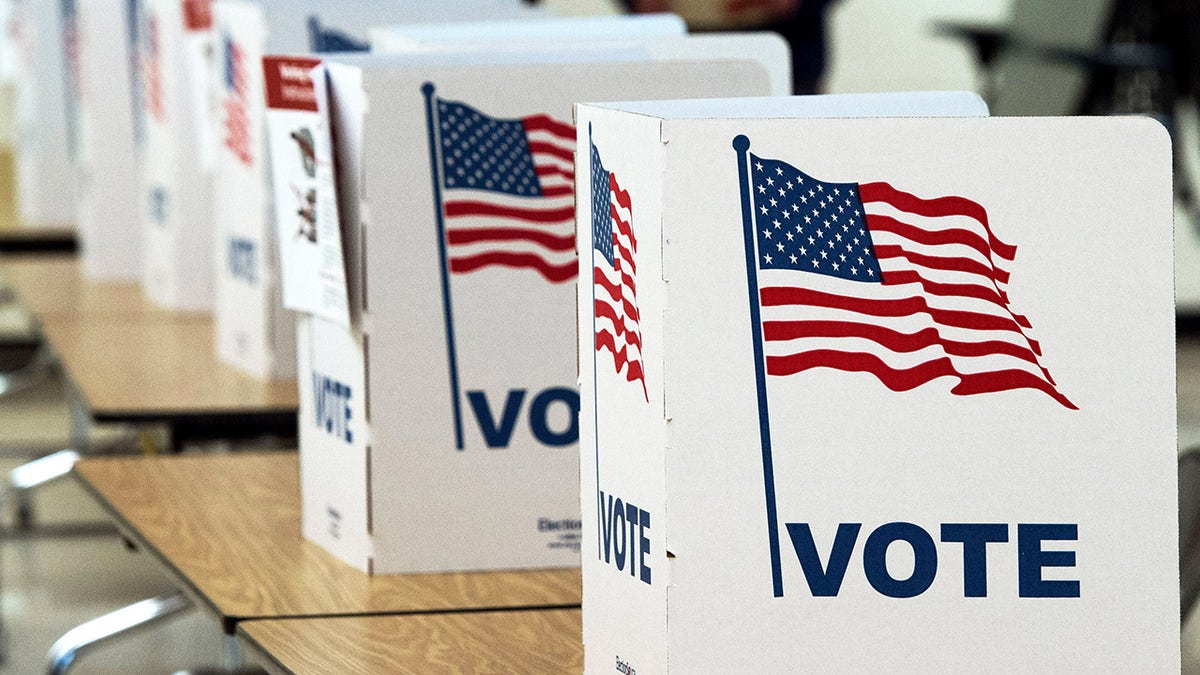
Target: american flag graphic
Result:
[[869, 278], [614, 273], [508, 191]]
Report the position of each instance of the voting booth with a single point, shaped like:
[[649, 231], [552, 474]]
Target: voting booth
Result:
[[660, 37], [546, 32], [254, 332], [457, 214], [103, 102], [864, 394], [45, 178], [175, 50]]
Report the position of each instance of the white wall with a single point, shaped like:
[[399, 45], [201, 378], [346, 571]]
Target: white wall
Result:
[[885, 45]]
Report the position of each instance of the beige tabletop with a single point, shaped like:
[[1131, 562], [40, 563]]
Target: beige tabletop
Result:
[[141, 367], [130, 359], [53, 286], [523, 641], [228, 528]]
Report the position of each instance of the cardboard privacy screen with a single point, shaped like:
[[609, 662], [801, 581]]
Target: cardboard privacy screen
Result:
[[889, 394], [459, 395], [44, 119], [174, 50], [253, 330], [108, 191]]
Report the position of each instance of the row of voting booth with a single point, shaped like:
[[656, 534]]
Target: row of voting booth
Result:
[[853, 381]]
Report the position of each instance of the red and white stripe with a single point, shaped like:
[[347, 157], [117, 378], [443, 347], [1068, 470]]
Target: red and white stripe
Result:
[[618, 326], [485, 228], [942, 309]]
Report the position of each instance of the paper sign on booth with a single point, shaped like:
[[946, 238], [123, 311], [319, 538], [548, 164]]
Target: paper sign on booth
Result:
[[493, 263], [175, 47], [310, 239]]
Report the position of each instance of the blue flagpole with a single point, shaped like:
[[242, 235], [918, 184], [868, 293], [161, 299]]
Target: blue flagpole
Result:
[[69, 15], [595, 387], [742, 145], [452, 356]]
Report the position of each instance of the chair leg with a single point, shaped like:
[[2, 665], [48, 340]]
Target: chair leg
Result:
[[44, 470], [32, 475], [120, 622], [37, 370], [20, 481]]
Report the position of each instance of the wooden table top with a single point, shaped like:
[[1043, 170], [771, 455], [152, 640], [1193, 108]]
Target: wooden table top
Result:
[[228, 527], [53, 286], [140, 368], [526, 641]]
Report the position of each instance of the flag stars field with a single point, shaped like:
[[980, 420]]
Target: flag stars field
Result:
[[829, 214]]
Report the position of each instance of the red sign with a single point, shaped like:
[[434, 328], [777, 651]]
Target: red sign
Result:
[[197, 14], [289, 82]]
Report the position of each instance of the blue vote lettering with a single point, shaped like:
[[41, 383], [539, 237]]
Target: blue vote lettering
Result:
[[240, 260], [331, 406], [623, 529], [498, 431], [1031, 559], [825, 579], [924, 560]]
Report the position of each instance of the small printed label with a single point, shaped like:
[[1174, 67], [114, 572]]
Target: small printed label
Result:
[[335, 522], [565, 533]]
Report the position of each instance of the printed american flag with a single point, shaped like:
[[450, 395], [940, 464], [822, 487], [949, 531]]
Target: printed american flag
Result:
[[614, 273], [868, 278], [508, 192]]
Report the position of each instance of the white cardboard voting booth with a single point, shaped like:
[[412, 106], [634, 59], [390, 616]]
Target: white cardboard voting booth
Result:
[[106, 157], [875, 395], [321, 275], [658, 37], [547, 31], [315, 277], [175, 46], [299, 26], [253, 330], [45, 178], [442, 437]]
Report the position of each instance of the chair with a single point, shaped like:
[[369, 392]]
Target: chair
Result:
[[1094, 57], [147, 612], [1189, 530]]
